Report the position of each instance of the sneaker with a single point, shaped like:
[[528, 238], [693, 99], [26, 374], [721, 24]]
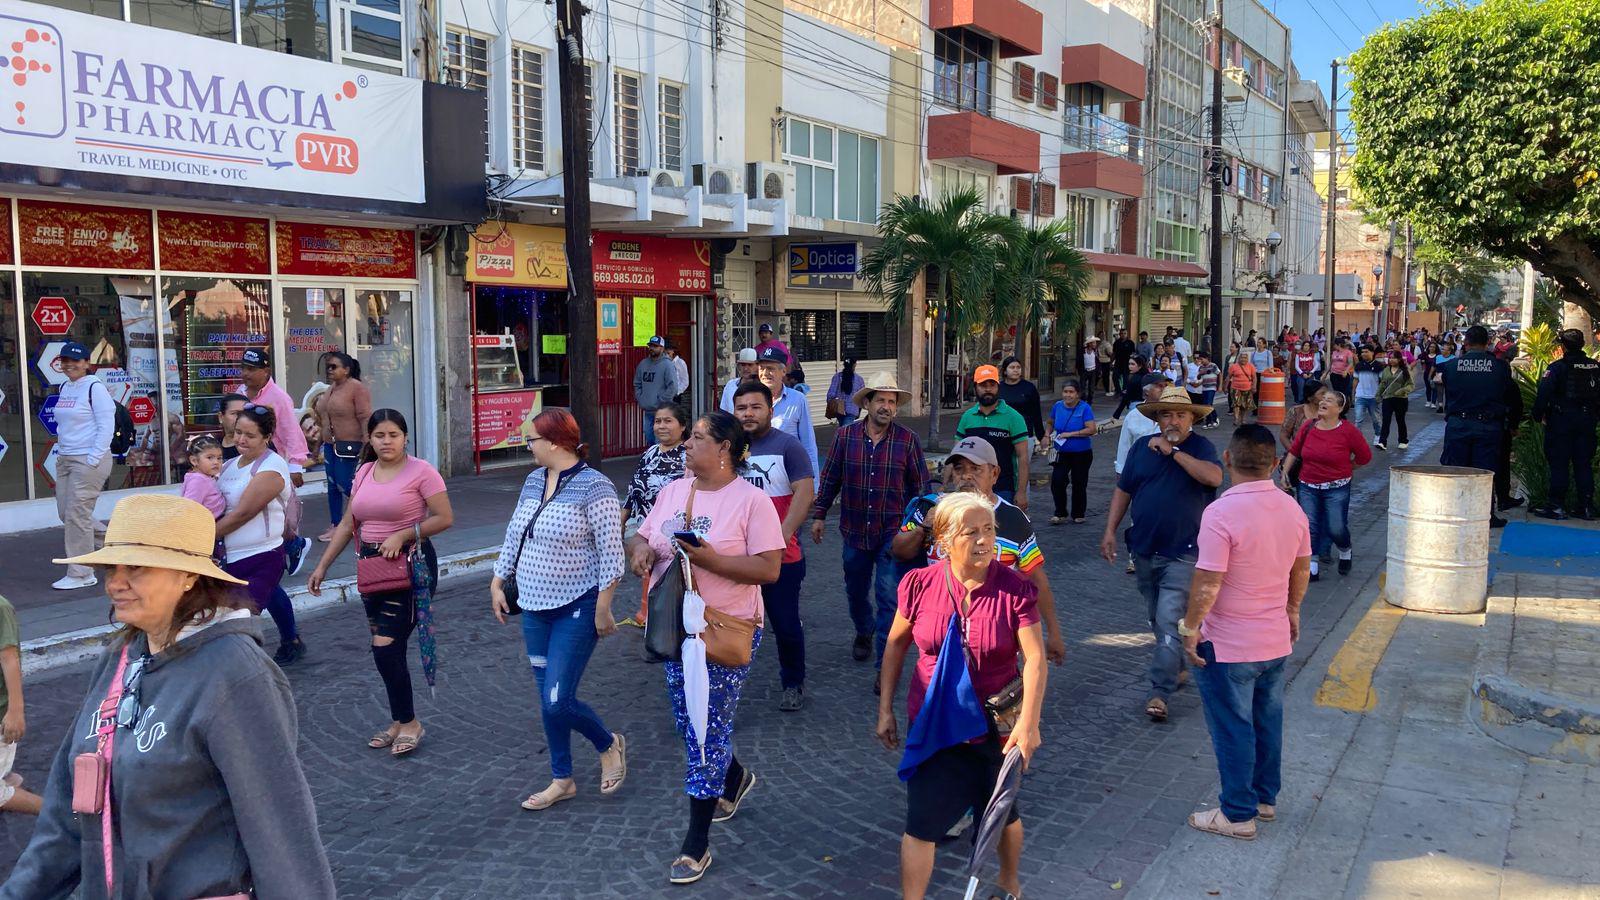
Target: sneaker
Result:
[[1515, 502], [1344, 566], [1380, 446], [726, 807], [73, 583], [295, 556], [687, 871], [1403, 445], [792, 699], [1497, 522], [1544, 512], [289, 652], [1131, 569], [862, 648], [1055, 520]]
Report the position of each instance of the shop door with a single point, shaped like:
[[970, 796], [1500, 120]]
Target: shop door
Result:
[[371, 324], [679, 330], [621, 420]]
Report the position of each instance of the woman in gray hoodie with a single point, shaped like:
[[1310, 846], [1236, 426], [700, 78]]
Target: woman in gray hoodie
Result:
[[205, 795]]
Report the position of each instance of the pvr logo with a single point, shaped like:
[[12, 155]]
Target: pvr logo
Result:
[[326, 153]]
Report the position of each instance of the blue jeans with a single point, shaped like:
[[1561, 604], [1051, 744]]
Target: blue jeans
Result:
[[1328, 513], [341, 478], [559, 642], [1243, 703], [1367, 411], [649, 427], [1164, 582], [879, 570], [782, 602]]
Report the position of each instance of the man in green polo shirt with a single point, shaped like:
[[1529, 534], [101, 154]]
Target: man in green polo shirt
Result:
[[1003, 427]]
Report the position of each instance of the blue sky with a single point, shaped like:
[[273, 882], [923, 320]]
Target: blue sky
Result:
[[1324, 29]]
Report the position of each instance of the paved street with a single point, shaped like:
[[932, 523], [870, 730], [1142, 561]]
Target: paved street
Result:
[[1106, 794]]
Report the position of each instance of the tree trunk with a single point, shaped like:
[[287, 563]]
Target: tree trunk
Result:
[[936, 288]]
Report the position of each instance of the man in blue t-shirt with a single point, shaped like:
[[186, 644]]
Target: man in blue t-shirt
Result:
[[1167, 480]]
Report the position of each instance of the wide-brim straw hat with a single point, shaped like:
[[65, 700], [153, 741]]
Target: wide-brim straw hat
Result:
[[883, 381], [159, 531], [1175, 398]]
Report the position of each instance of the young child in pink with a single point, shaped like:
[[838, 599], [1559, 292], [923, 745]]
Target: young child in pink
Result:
[[200, 483]]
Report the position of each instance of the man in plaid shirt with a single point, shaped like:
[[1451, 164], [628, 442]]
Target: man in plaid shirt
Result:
[[875, 467]]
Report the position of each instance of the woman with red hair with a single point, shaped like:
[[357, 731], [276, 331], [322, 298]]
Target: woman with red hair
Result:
[[559, 566]]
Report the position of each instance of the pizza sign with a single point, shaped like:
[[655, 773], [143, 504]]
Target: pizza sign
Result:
[[53, 315]]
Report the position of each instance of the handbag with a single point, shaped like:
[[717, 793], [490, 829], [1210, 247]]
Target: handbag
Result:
[[664, 633], [835, 408], [509, 586], [378, 574], [348, 449], [1005, 705], [729, 638]]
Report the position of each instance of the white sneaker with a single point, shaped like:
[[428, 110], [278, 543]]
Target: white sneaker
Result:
[[71, 583]]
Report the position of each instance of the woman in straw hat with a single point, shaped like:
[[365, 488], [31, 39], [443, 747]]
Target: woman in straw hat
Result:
[[178, 776]]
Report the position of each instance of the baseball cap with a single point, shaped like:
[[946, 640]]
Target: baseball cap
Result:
[[985, 373], [773, 354], [765, 326], [977, 450], [73, 350], [747, 355], [255, 359], [657, 341]]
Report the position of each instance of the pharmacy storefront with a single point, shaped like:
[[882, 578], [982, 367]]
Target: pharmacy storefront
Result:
[[284, 206]]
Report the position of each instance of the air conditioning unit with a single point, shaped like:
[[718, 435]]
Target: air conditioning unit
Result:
[[771, 181], [661, 178], [717, 179], [1233, 84]]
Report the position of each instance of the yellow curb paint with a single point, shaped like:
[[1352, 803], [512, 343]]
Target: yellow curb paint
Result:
[[1348, 684]]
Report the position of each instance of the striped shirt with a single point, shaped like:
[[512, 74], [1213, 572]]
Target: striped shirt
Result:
[[1015, 544], [573, 547]]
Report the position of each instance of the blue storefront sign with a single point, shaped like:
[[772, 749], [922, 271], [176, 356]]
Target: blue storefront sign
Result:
[[830, 267], [47, 413]]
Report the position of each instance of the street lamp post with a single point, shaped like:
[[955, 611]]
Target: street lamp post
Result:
[[1383, 306], [1274, 241]]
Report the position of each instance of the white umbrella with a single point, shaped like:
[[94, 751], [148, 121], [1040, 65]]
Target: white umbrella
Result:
[[696, 680]]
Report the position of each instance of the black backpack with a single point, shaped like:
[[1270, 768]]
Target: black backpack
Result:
[[122, 432], [1583, 386]]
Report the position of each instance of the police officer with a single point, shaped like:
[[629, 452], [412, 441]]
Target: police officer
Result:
[[1480, 397], [1568, 405]]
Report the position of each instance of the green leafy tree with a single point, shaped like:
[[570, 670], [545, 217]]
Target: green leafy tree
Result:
[[1481, 125], [1042, 274], [961, 247]]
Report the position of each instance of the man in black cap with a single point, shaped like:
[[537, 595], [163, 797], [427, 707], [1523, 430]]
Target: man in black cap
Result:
[[655, 384], [1480, 398], [1568, 405]]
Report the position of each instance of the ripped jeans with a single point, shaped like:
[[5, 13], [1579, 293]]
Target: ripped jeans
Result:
[[559, 642]]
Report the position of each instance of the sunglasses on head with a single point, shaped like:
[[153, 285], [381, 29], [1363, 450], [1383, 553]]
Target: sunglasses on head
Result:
[[257, 409]]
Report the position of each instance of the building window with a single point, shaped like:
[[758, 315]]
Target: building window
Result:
[[627, 115], [1049, 90], [836, 172], [669, 106], [372, 34], [205, 18], [527, 108], [858, 177], [744, 324], [814, 334], [810, 150], [1088, 97], [868, 335], [588, 112], [1079, 211], [1022, 82], [466, 60], [963, 71], [949, 179]]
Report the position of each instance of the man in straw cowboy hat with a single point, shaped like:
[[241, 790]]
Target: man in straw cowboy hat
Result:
[[875, 468], [1167, 481]]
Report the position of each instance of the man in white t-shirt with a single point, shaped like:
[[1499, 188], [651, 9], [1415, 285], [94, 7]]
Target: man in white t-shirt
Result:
[[1182, 345]]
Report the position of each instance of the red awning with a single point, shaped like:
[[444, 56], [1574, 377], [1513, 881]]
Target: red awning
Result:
[[1142, 265]]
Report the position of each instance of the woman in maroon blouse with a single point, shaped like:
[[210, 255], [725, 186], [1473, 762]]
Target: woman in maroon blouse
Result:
[[1329, 449]]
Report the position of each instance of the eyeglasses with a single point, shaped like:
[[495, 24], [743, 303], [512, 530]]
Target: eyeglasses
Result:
[[258, 409], [128, 710]]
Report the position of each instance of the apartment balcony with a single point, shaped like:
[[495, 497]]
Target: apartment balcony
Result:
[[1123, 77], [1017, 28], [973, 137], [1102, 157]]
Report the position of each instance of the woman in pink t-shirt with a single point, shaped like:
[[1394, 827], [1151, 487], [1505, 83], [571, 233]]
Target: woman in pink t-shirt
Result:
[[396, 501], [739, 547], [1329, 450]]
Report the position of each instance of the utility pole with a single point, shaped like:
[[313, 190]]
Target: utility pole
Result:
[[583, 359], [1388, 272], [1333, 204], [1216, 184]]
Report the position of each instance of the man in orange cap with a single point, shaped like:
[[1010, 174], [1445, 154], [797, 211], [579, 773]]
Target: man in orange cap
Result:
[[1005, 430]]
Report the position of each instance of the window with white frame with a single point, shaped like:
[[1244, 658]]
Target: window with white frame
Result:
[[949, 179], [1079, 210], [669, 118], [466, 60], [627, 113], [527, 107], [836, 171]]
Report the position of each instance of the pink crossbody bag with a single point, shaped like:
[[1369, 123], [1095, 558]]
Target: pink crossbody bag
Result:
[[91, 776]]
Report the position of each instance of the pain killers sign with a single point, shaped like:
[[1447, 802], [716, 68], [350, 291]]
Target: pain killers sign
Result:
[[92, 94]]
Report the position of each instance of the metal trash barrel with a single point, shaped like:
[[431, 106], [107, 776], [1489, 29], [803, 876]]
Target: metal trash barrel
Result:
[[1439, 538], [1270, 409]]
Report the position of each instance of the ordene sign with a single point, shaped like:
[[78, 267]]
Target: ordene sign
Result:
[[93, 94]]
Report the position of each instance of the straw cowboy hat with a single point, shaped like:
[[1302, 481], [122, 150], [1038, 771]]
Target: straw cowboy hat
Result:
[[1175, 398], [883, 381], [160, 531]]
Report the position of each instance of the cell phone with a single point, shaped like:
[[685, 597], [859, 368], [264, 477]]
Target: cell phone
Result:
[[688, 537]]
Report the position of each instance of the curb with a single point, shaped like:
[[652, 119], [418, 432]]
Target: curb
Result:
[[58, 650]]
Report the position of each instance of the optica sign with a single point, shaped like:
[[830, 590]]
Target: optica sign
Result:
[[93, 94]]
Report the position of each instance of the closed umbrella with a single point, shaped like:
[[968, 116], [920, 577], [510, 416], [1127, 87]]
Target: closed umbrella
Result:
[[1006, 788], [696, 680]]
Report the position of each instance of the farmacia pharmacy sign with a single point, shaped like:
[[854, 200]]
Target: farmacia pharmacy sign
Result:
[[92, 94]]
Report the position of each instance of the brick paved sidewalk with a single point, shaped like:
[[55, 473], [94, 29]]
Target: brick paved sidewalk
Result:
[[1105, 795]]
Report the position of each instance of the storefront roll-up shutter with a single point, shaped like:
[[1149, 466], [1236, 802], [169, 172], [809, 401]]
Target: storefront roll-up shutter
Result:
[[1155, 320]]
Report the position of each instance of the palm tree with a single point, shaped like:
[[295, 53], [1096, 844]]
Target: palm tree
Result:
[[961, 246], [1041, 273]]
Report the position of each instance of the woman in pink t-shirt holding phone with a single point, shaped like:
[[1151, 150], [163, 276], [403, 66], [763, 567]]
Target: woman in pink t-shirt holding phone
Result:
[[397, 500]]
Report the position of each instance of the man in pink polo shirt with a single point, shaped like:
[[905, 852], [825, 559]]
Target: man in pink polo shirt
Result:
[[1253, 565]]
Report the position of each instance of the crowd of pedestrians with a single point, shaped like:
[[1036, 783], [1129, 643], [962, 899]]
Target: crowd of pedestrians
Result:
[[1222, 546]]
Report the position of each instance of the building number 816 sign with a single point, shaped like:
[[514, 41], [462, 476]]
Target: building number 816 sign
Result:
[[53, 315]]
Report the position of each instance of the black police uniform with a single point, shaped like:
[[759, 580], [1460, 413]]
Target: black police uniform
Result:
[[1568, 405], [1479, 398]]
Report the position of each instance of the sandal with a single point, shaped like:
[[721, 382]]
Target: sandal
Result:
[[544, 799], [611, 779], [1212, 821], [381, 740], [685, 870], [1156, 709], [405, 743]]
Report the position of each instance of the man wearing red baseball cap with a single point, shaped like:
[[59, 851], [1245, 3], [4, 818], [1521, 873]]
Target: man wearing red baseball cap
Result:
[[1005, 430]]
